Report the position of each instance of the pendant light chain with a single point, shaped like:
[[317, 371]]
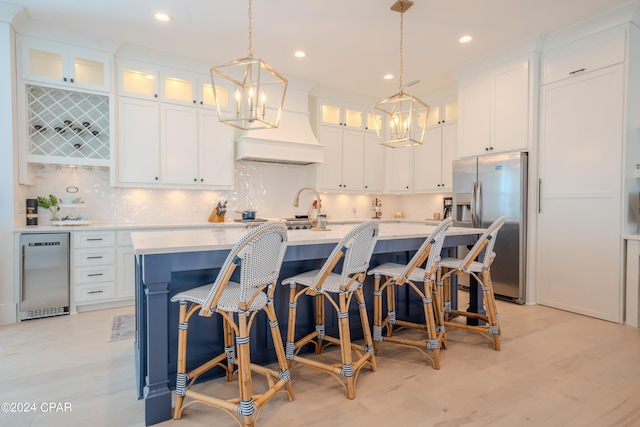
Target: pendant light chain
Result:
[[401, 53], [250, 33]]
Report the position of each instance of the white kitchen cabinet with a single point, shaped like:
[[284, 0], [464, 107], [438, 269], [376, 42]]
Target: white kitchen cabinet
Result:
[[179, 144], [353, 160], [215, 148], [138, 80], [579, 247], [62, 65], [340, 114], [398, 170], [169, 132], [373, 164], [169, 85], [93, 267], [495, 108], [195, 148], [138, 141], [585, 55], [433, 160], [343, 167]]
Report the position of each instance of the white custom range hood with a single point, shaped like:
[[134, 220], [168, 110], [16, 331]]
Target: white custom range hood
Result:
[[293, 142]]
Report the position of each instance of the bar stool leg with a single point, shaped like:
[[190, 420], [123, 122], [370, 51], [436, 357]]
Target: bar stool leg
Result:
[[364, 319], [181, 381], [277, 343], [433, 342], [377, 314]]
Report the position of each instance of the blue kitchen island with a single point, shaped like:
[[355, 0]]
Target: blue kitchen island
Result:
[[168, 262]]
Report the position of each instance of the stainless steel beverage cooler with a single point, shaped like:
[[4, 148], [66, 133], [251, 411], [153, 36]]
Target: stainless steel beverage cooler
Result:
[[44, 275]]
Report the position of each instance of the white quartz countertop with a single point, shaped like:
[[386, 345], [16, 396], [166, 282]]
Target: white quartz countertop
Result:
[[47, 228], [159, 242]]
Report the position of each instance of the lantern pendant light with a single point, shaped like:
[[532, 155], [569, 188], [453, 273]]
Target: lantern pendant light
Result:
[[406, 114], [256, 91]]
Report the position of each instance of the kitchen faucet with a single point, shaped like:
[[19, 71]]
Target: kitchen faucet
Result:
[[315, 190]]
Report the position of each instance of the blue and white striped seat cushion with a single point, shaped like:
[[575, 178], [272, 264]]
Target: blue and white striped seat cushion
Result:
[[331, 284], [394, 270], [228, 300]]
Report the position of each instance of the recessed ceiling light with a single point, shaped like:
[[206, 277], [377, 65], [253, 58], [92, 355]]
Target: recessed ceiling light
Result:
[[465, 39], [162, 16], [300, 54], [388, 76]]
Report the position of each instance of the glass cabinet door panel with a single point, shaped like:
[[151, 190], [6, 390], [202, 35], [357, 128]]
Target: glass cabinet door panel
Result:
[[353, 118], [209, 99], [374, 121], [89, 72], [330, 114], [138, 82], [178, 89], [45, 64], [434, 117], [451, 111]]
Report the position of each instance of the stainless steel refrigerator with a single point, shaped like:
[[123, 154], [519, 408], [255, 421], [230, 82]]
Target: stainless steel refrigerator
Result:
[[485, 188]]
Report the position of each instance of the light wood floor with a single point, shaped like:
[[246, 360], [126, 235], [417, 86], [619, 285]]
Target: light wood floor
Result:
[[555, 369]]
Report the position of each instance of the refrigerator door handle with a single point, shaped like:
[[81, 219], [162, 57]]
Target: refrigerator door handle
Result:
[[22, 250], [479, 207], [539, 195], [473, 203]]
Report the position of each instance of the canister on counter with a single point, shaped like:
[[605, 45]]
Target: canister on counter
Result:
[[32, 211]]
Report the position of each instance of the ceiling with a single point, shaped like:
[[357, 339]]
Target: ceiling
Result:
[[350, 44]]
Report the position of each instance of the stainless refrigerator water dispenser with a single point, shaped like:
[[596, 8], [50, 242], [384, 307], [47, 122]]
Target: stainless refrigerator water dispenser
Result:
[[44, 275]]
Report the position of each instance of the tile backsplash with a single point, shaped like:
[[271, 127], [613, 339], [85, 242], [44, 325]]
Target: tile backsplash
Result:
[[265, 187]]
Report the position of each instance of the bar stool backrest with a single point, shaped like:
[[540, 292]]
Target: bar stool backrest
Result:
[[429, 250], [356, 247], [259, 253], [485, 244]]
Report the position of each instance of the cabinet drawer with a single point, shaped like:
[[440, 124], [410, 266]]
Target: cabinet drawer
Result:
[[91, 293], [589, 54], [93, 239], [98, 256], [96, 274]]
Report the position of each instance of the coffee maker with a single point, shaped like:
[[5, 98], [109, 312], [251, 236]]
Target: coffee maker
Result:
[[447, 206]]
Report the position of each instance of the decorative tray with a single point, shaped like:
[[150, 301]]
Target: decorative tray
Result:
[[72, 222]]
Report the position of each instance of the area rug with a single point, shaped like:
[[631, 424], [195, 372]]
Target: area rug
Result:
[[122, 327]]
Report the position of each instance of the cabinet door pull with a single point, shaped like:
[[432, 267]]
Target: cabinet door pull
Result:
[[71, 80], [576, 71], [94, 257], [95, 239], [94, 274], [64, 79], [94, 292]]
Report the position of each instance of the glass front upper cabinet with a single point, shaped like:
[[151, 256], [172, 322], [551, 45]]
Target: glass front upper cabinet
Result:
[[334, 113], [55, 63]]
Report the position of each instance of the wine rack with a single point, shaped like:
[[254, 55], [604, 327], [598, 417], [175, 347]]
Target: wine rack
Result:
[[68, 124]]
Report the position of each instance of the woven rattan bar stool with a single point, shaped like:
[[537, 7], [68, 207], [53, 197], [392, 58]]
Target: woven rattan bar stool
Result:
[[477, 263], [259, 254], [420, 275], [355, 251]]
